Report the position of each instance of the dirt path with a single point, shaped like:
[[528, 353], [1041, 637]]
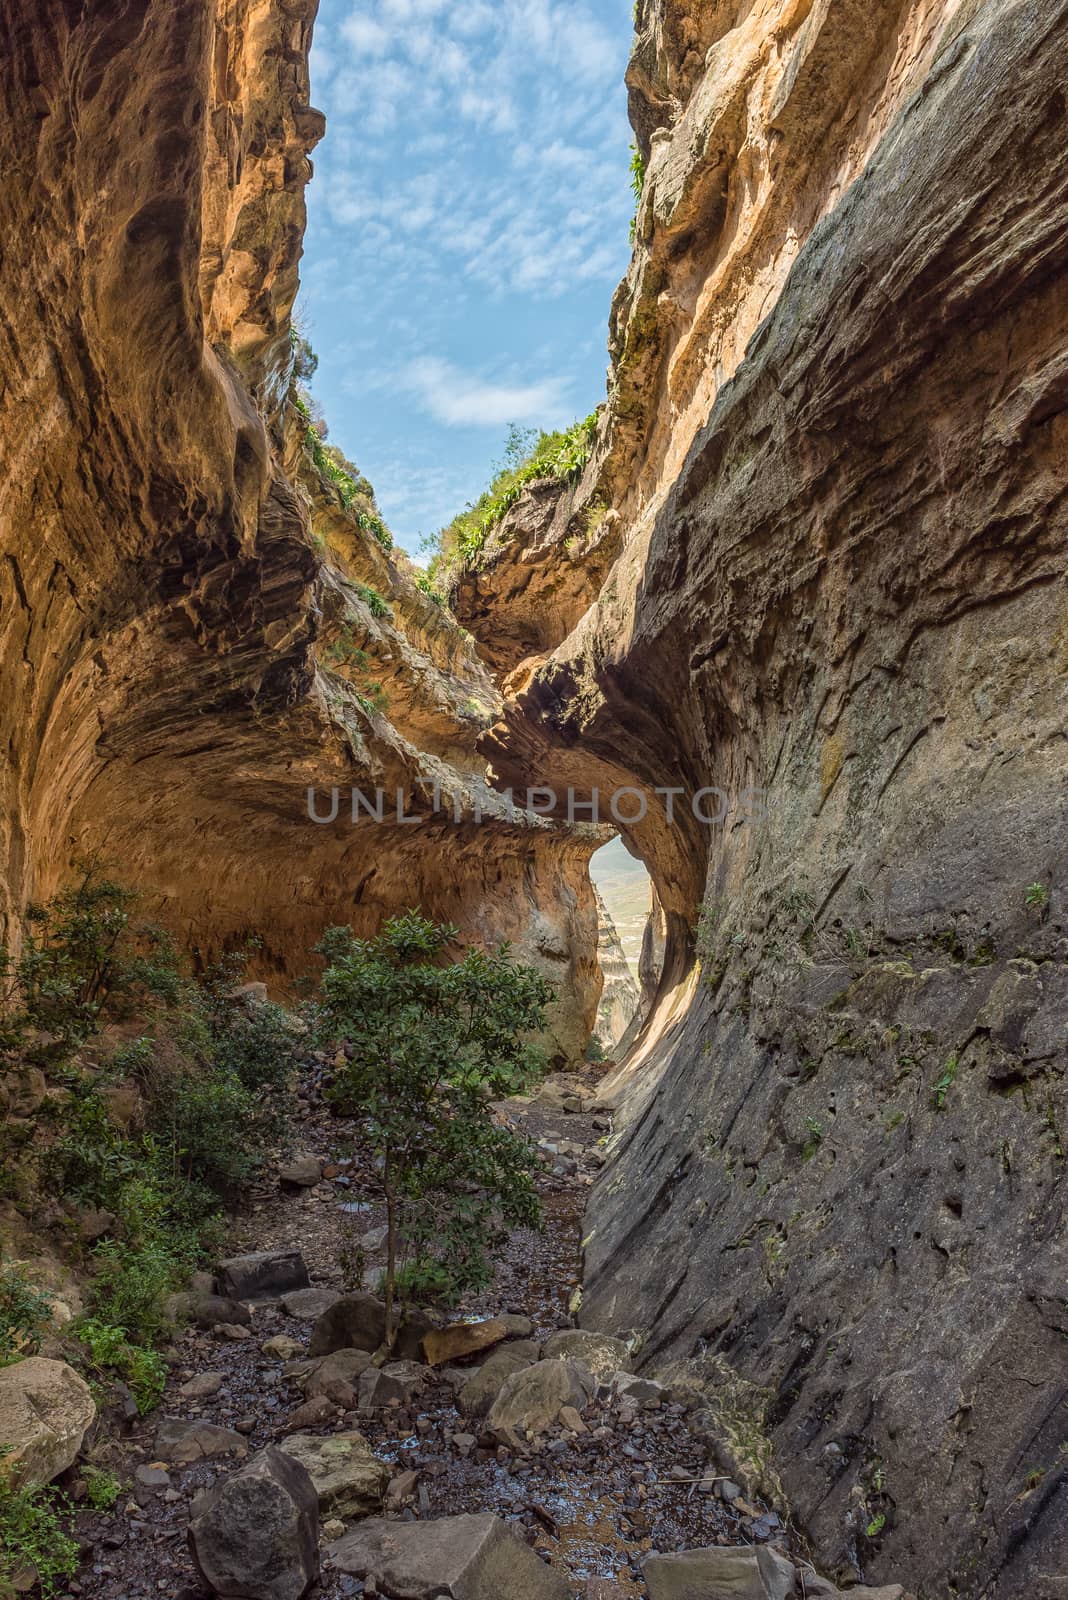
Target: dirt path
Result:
[[593, 1503]]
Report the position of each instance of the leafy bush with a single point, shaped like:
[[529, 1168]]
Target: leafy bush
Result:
[[637, 184], [561, 455], [25, 1312], [102, 1488], [84, 961], [109, 1350], [33, 1537], [432, 1042], [373, 600], [425, 584], [372, 523]]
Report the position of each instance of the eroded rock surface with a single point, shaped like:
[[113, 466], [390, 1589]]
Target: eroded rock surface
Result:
[[835, 442]]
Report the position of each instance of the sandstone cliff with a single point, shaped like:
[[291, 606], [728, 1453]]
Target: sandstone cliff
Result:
[[828, 505], [180, 588]]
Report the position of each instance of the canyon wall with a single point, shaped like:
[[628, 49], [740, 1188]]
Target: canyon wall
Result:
[[827, 517], [187, 640]]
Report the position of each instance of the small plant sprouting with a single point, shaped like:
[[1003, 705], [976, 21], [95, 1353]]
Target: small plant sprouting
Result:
[[812, 1143], [945, 1083], [1036, 897], [373, 600], [102, 1488], [637, 184], [876, 1526]]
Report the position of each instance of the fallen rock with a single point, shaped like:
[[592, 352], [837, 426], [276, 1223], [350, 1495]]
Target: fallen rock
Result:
[[45, 1412], [727, 1573], [519, 1327], [255, 1534], [181, 1442], [461, 1339], [333, 1375], [303, 1172], [203, 1384], [309, 1303], [282, 1347], [598, 1351], [349, 1479], [532, 1399], [314, 1413], [397, 1383], [261, 1275], [642, 1391], [401, 1488], [358, 1321], [451, 1558], [213, 1310], [480, 1391]]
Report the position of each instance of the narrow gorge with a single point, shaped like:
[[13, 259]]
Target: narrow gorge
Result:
[[791, 620]]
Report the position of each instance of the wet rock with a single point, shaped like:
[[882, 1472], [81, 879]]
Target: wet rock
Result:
[[349, 1479], [720, 1573], [45, 1412], [303, 1172], [598, 1351], [309, 1303], [202, 1384], [255, 1534], [532, 1399], [452, 1558], [262, 1274], [461, 1339], [480, 1390], [181, 1442]]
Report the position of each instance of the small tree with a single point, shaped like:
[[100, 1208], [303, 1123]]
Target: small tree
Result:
[[432, 1042]]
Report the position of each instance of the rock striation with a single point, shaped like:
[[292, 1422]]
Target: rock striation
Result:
[[183, 592], [833, 461]]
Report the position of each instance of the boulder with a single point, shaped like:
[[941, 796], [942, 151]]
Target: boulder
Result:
[[461, 1339], [598, 1351], [519, 1327], [309, 1303], [183, 1442], [303, 1172], [282, 1347], [482, 1388], [212, 1310], [642, 1391], [261, 1275], [728, 1573], [333, 1375], [201, 1385], [255, 1534], [26, 1091], [452, 1558], [397, 1383], [358, 1321], [45, 1412], [532, 1399], [349, 1479]]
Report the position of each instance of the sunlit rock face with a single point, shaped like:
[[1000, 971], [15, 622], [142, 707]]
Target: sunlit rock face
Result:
[[179, 604], [834, 455]]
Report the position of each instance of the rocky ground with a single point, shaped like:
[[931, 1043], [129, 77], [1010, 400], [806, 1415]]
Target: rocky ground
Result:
[[615, 1477]]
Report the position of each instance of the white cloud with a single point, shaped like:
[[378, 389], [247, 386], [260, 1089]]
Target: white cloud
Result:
[[460, 399], [366, 36]]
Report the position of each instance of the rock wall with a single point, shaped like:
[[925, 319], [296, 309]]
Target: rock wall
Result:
[[835, 449], [176, 575]]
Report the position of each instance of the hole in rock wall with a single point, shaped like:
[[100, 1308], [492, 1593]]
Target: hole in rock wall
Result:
[[626, 905]]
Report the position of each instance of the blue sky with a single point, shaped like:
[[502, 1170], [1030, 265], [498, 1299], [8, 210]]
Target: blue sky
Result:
[[467, 225]]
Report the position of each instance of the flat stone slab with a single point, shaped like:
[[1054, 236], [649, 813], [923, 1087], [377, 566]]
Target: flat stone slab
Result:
[[453, 1558], [183, 1442], [727, 1572], [462, 1339], [309, 1303]]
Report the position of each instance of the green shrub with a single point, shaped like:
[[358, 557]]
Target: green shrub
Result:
[[109, 1350], [637, 184], [25, 1313], [84, 961], [372, 523], [102, 1488], [425, 584], [373, 600], [33, 1536], [432, 1043], [528, 459]]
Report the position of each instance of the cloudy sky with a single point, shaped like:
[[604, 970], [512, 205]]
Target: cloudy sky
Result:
[[467, 225]]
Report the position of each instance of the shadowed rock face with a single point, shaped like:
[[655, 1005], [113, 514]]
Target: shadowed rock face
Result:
[[840, 579], [178, 587]]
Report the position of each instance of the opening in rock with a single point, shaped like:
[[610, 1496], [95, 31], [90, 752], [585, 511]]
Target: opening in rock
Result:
[[627, 905]]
